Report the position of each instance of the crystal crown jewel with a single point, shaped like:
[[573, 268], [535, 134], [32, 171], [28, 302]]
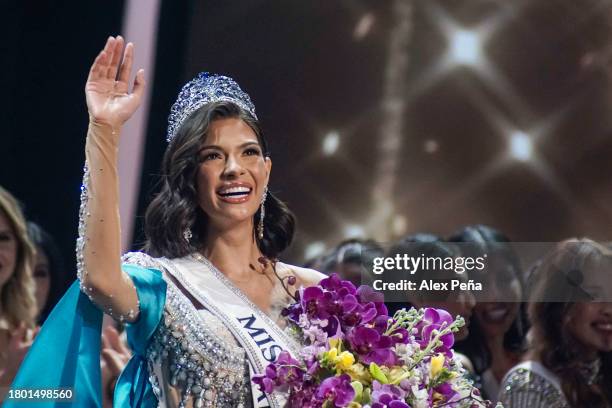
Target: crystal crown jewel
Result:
[[205, 88]]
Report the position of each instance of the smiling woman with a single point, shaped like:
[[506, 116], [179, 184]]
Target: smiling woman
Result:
[[203, 300], [570, 361], [219, 147], [17, 304]]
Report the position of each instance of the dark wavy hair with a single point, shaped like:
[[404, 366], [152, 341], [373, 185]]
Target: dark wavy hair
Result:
[[558, 278], [59, 278], [476, 240], [176, 207]]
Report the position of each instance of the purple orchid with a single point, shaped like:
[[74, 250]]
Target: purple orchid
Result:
[[357, 321], [436, 320], [366, 294], [371, 346], [387, 395], [337, 390], [446, 391], [284, 371], [334, 284]]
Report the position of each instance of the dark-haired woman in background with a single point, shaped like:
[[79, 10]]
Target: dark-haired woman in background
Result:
[[569, 363], [49, 271], [350, 259], [203, 301], [456, 302], [497, 331]]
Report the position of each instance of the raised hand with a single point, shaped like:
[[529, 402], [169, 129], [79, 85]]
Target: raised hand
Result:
[[107, 89], [114, 357]]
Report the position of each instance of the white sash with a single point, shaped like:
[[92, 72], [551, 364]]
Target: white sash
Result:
[[261, 338]]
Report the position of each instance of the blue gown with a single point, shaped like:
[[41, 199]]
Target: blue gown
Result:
[[66, 352]]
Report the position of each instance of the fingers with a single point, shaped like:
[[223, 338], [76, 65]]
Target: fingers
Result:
[[126, 66], [113, 360], [18, 337], [112, 335], [105, 342], [99, 68], [111, 339], [139, 84], [116, 49]]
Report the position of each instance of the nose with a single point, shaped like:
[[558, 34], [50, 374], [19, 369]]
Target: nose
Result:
[[232, 168]]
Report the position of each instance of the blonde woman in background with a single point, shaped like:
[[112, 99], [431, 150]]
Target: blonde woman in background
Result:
[[17, 302]]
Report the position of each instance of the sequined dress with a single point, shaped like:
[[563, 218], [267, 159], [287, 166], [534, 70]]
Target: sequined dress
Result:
[[193, 359], [531, 385]]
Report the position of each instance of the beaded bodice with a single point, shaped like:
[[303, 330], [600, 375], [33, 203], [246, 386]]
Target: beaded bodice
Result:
[[526, 386], [193, 358]]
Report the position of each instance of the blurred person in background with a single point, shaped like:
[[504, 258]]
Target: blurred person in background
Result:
[[50, 275], [497, 333], [351, 259], [52, 281], [569, 362], [17, 302], [455, 302]]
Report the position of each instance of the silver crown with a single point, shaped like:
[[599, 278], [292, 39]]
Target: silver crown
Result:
[[205, 88]]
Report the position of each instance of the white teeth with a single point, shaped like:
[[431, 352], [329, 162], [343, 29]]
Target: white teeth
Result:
[[604, 326], [232, 190], [496, 314]]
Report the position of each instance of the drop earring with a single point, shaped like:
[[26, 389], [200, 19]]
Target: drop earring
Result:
[[187, 234], [262, 214]]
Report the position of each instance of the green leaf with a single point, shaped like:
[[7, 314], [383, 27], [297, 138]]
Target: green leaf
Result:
[[358, 387], [378, 374]]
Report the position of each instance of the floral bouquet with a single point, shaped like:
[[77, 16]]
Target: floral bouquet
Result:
[[354, 355]]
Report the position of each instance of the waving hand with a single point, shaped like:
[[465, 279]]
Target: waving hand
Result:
[[107, 89]]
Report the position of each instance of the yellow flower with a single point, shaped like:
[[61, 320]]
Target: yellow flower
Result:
[[334, 343], [344, 361], [437, 362]]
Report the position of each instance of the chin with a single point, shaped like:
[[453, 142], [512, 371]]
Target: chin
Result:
[[235, 215]]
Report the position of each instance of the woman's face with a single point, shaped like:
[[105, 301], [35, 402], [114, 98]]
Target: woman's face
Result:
[[591, 322], [8, 249], [233, 173], [591, 325], [500, 282], [42, 277]]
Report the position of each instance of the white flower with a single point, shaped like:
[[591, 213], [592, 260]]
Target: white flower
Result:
[[421, 397]]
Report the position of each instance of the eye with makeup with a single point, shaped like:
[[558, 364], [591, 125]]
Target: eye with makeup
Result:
[[41, 272], [252, 151], [209, 155], [5, 237]]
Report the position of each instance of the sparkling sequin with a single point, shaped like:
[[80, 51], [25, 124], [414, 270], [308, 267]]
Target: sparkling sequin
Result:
[[205, 88], [524, 388], [198, 358], [84, 215]]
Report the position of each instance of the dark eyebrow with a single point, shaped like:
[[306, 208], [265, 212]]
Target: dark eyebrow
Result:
[[242, 146]]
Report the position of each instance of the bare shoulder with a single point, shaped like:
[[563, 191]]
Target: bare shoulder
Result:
[[305, 276]]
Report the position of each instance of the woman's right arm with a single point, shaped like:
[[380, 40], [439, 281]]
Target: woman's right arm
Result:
[[110, 105]]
